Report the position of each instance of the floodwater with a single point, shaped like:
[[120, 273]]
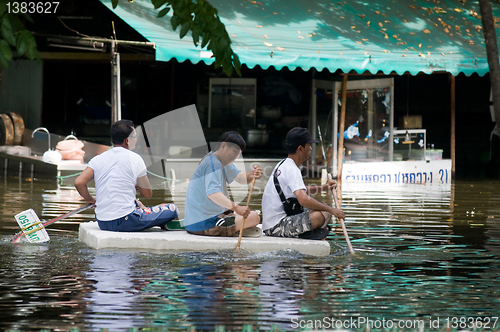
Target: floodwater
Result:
[[425, 254]]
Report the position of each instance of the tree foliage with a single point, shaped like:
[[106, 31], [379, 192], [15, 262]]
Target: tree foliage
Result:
[[207, 30], [14, 37]]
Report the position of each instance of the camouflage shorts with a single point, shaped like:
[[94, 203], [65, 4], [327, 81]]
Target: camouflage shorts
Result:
[[291, 226]]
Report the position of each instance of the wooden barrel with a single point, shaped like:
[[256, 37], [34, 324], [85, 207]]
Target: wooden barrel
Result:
[[6, 130], [18, 123]]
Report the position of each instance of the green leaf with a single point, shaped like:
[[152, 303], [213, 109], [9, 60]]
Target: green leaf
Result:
[[3, 8], [28, 18], [236, 64], [226, 63], [206, 39], [5, 50], [174, 21], [184, 29], [223, 42], [236, 60], [181, 5], [158, 3], [114, 3], [23, 42], [3, 62], [218, 61], [32, 51], [228, 68], [164, 12], [7, 32], [202, 19], [196, 35], [16, 23]]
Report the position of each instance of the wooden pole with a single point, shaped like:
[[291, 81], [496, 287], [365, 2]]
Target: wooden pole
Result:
[[17, 237], [340, 152], [344, 229], [452, 147], [243, 222]]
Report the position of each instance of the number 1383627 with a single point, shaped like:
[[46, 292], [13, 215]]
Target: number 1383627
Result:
[[31, 7], [472, 322]]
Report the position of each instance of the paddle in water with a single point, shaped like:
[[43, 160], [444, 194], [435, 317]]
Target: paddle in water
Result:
[[344, 229], [243, 222], [30, 224]]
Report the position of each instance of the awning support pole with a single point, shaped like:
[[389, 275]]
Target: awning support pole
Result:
[[452, 106], [116, 105], [340, 151]]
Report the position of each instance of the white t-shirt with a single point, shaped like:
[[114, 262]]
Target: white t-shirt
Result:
[[115, 176], [290, 180]]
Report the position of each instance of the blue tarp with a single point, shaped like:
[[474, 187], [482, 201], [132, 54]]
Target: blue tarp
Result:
[[381, 36]]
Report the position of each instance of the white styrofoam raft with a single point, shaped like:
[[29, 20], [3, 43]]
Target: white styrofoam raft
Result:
[[155, 238]]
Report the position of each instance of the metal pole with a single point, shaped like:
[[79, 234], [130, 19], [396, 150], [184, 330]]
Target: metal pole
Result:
[[313, 124], [452, 147], [391, 123], [115, 84], [118, 88], [335, 129], [341, 130]]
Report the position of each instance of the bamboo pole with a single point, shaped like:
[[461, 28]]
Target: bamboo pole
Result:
[[344, 229], [243, 222]]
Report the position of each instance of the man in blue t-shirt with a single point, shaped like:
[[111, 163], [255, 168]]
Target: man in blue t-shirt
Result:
[[209, 211]]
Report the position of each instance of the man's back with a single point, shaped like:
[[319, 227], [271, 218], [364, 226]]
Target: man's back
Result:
[[115, 175]]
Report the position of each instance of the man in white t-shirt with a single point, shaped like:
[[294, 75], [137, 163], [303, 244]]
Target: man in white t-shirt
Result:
[[118, 174], [312, 217]]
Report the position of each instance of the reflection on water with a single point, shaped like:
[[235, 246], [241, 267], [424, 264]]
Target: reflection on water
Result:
[[114, 291], [422, 251]]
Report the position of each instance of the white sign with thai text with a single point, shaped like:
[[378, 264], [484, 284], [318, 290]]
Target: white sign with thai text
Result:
[[398, 172]]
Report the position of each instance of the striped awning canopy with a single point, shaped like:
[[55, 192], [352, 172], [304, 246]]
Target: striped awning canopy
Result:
[[415, 36]]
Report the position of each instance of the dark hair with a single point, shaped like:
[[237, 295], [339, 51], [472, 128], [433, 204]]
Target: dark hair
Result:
[[296, 138], [230, 137], [120, 130], [291, 149]]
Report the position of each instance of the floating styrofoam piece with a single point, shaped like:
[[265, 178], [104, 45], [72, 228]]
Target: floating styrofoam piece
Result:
[[157, 239]]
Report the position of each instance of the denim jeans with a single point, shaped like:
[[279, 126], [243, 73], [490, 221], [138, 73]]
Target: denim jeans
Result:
[[141, 219]]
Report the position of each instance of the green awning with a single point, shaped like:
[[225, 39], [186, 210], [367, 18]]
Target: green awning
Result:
[[380, 36]]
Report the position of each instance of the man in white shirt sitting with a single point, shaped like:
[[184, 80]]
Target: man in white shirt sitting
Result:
[[300, 215], [118, 174]]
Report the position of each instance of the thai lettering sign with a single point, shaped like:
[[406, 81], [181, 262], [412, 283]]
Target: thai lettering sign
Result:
[[398, 172]]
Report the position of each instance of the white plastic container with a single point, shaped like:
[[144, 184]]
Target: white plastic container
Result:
[[32, 227], [434, 154]]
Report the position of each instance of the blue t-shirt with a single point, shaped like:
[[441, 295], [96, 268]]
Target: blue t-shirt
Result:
[[209, 178]]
